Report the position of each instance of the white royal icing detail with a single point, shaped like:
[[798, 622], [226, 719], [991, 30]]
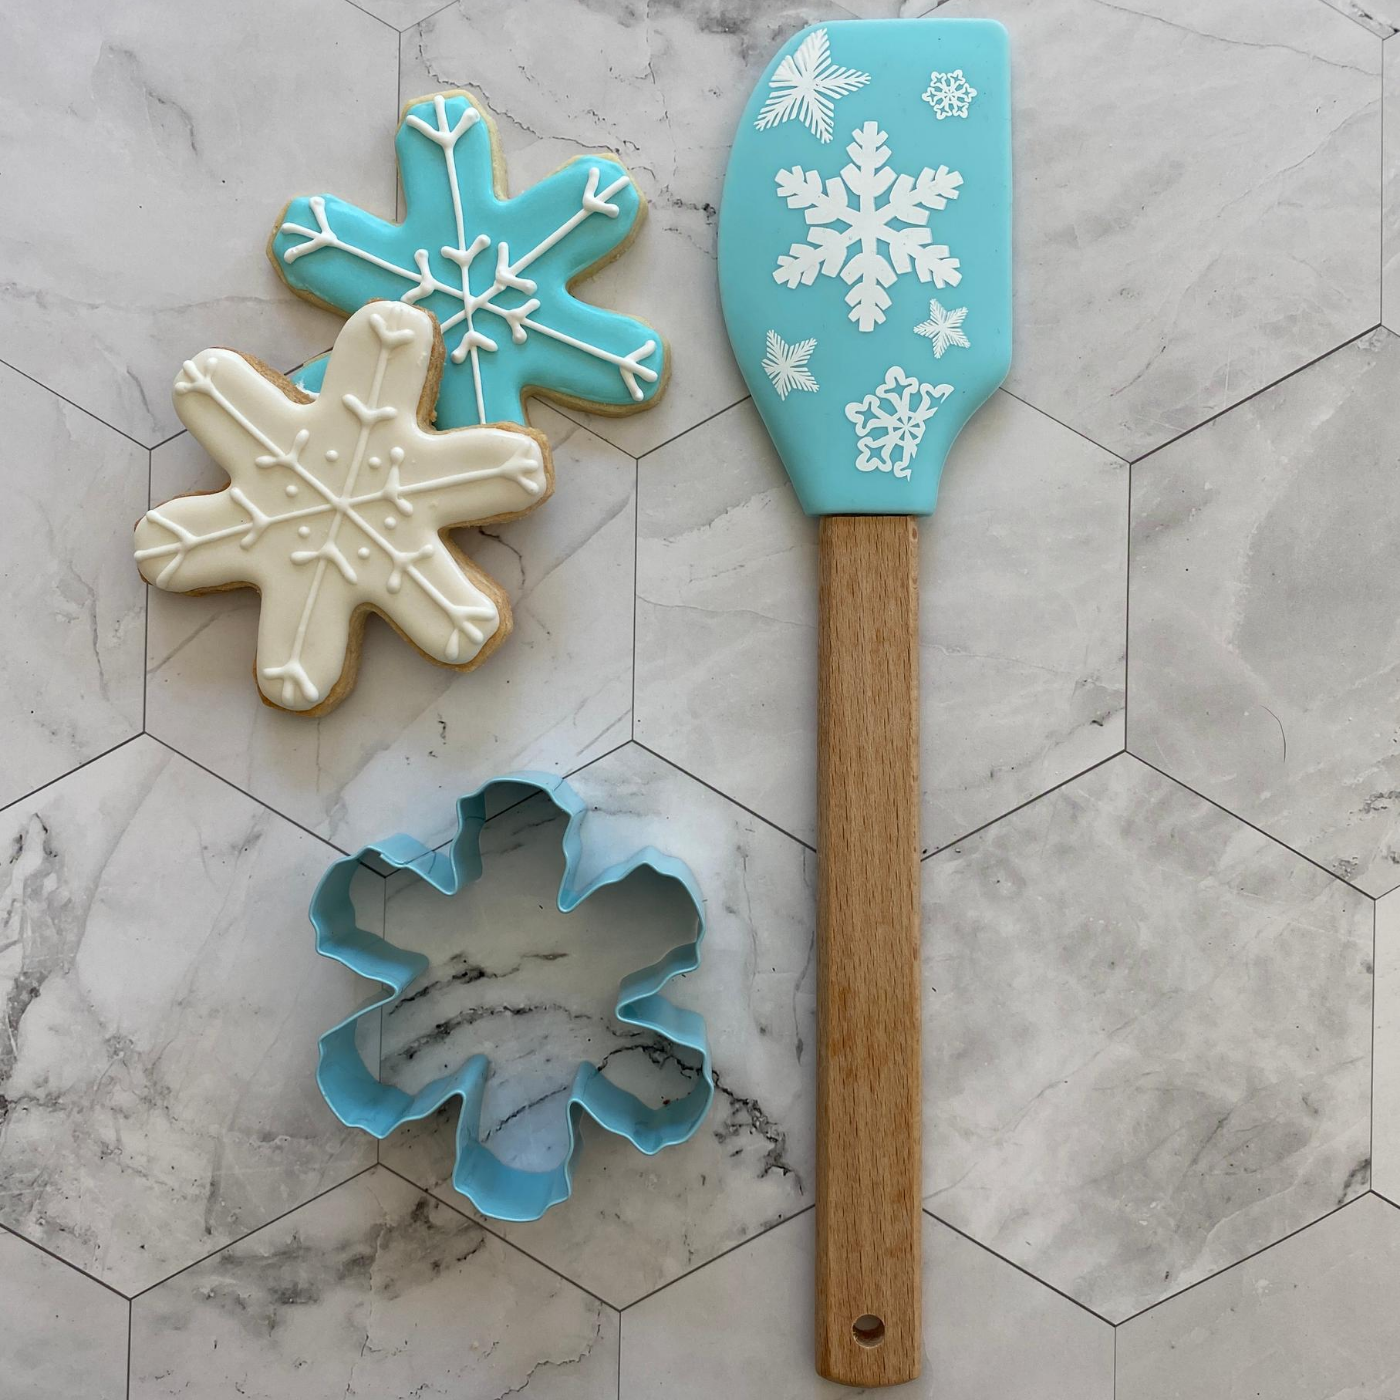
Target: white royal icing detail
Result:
[[805, 86], [949, 94], [309, 594], [890, 421], [845, 238], [519, 319], [786, 365], [944, 328]]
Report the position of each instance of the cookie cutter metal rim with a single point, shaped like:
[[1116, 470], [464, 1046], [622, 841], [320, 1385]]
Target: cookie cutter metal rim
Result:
[[360, 1099]]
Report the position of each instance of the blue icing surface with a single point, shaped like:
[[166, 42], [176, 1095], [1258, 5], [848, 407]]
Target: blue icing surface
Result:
[[517, 328], [865, 252]]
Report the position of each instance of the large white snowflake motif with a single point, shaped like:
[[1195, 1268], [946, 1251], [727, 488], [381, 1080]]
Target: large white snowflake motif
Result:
[[496, 272], [890, 421], [337, 505], [806, 85], [949, 94], [845, 239], [786, 365], [944, 328]]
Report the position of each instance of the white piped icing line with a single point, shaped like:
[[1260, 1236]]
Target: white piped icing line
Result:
[[335, 558], [520, 320]]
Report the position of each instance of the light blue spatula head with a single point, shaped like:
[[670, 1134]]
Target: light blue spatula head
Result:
[[865, 253]]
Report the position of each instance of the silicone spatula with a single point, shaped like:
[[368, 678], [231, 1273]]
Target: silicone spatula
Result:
[[865, 274]]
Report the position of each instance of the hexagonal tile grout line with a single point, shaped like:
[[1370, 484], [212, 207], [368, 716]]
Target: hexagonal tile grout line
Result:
[[481, 1224], [1220, 807], [374, 16], [58, 1258], [136, 442]]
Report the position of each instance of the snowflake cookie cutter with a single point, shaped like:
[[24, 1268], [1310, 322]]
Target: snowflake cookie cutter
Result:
[[497, 270], [360, 1099]]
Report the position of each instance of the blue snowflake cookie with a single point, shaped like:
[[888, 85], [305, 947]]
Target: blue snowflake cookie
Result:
[[495, 271], [360, 1099]]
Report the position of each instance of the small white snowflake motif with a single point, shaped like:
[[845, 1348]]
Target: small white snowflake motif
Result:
[[845, 238], [805, 85], [786, 365], [944, 328], [949, 94], [891, 420]]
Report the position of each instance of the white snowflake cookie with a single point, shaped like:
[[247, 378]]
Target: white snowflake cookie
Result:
[[949, 94], [853, 235], [890, 421], [339, 505]]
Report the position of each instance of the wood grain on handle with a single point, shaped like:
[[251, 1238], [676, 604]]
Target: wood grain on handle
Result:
[[869, 1226]]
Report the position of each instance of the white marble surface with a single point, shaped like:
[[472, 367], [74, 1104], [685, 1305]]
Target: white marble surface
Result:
[[373, 1290], [1264, 650], [743, 1329], [161, 1000], [149, 150], [64, 1335], [1148, 1025], [1021, 618], [72, 633], [1311, 1319], [1147, 1048]]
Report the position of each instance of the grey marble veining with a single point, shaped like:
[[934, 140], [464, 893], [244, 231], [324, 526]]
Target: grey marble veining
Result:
[[412, 736], [148, 151], [1196, 186], [1264, 655], [72, 631], [534, 989], [1021, 618], [161, 1001], [370, 1292], [1147, 1038], [62, 1336], [1311, 1319], [742, 1328]]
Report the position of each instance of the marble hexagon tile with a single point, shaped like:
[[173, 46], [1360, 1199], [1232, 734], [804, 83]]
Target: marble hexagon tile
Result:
[[1147, 1038], [1264, 652], [157, 1090], [742, 1328], [1313, 1318], [1196, 190], [148, 149], [372, 1291], [1021, 618], [73, 628], [64, 1335], [412, 736], [663, 86], [534, 989]]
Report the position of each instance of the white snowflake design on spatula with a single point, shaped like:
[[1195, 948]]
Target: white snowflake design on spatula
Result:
[[337, 505], [845, 239], [950, 94], [890, 421], [805, 85], [786, 365], [944, 328]]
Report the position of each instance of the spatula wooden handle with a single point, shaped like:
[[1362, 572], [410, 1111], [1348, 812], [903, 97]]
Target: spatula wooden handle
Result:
[[869, 1313]]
